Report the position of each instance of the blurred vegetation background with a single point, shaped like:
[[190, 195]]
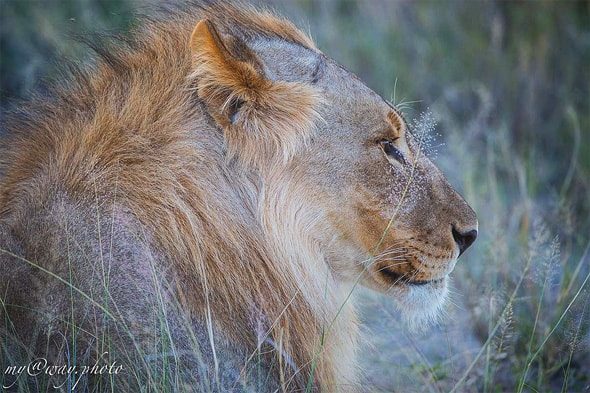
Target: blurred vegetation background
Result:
[[508, 84]]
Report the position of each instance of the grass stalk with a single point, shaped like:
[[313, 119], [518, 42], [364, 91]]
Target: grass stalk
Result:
[[573, 343], [534, 331], [491, 335], [558, 323]]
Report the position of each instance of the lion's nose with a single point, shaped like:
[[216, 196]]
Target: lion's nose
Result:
[[464, 239]]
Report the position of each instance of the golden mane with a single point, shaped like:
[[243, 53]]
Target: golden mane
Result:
[[121, 136]]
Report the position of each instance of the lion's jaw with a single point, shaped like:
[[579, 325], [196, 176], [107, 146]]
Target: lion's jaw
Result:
[[422, 305]]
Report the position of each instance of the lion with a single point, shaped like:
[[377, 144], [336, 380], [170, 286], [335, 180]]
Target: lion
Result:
[[195, 210]]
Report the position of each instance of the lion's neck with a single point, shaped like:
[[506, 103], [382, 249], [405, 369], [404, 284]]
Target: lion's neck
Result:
[[289, 230], [246, 254]]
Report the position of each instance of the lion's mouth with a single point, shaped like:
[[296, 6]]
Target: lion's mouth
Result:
[[396, 278], [419, 282]]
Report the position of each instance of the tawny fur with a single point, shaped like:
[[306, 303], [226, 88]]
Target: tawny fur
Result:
[[188, 175], [123, 134]]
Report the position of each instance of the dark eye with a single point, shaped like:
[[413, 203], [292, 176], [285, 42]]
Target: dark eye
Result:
[[392, 151]]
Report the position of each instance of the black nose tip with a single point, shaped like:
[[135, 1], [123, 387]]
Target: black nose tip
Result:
[[465, 239]]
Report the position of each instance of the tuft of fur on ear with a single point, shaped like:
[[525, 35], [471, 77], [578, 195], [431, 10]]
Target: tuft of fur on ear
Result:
[[261, 119], [397, 121]]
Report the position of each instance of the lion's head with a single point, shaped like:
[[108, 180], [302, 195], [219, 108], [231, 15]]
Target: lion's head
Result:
[[361, 190]]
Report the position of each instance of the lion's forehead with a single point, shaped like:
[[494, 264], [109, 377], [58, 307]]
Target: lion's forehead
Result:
[[288, 62]]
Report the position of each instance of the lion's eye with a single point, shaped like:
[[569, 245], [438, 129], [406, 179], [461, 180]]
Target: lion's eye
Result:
[[392, 151]]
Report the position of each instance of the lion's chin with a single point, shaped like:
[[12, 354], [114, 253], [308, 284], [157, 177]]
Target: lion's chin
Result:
[[421, 304]]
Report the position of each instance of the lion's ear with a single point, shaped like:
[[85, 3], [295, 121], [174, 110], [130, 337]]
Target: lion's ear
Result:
[[224, 81], [258, 116]]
